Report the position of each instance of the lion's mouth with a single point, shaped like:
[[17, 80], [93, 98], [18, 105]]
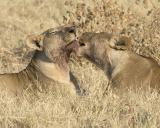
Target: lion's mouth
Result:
[[72, 47]]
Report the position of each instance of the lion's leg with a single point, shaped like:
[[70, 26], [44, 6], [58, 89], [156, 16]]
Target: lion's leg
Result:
[[70, 86], [74, 81]]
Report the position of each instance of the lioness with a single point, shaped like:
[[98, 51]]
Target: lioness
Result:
[[122, 67], [49, 62]]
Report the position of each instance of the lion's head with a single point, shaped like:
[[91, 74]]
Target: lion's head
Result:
[[55, 41]]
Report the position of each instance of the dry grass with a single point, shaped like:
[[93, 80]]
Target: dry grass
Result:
[[98, 109]]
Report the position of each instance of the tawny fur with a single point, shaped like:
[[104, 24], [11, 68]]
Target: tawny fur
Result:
[[49, 63], [123, 68]]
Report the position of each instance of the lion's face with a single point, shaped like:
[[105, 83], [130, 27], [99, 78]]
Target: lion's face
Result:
[[55, 42], [85, 45], [98, 43], [62, 34]]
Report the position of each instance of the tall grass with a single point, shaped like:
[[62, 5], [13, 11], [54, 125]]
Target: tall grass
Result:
[[56, 108]]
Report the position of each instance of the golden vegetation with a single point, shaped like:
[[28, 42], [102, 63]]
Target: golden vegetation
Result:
[[138, 19], [54, 107]]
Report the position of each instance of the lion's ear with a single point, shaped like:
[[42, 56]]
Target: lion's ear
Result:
[[35, 42], [121, 43]]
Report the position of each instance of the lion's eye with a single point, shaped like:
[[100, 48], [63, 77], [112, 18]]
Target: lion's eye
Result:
[[52, 32], [82, 44]]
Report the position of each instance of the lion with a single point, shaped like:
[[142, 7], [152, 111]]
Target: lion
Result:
[[123, 68], [50, 56]]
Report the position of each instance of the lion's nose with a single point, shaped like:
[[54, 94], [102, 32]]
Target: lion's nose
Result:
[[72, 30]]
